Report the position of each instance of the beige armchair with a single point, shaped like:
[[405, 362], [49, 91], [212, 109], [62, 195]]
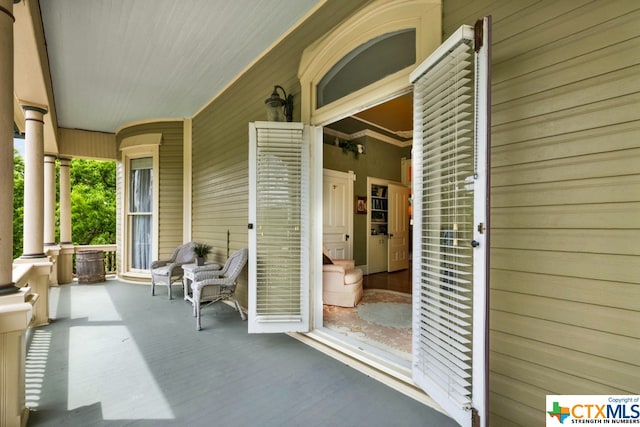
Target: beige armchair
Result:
[[341, 282]]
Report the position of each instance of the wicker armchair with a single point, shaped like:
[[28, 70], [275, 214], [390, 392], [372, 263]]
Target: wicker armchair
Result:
[[217, 285], [170, 270]]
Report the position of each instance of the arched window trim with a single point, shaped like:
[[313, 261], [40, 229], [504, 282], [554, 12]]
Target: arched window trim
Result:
[[379, 18], [348, 59]]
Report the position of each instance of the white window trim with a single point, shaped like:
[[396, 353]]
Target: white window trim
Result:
[[147, 145]]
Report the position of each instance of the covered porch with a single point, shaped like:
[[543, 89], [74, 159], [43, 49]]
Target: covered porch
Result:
[[114, 355]]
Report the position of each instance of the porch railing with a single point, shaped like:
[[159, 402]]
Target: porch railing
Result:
[[109, 256]]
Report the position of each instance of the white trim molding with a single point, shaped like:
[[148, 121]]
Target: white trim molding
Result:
[[147, 145], [369, 133], [137, 141]]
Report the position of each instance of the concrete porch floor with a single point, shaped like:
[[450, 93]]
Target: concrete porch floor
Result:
[[114, 355]]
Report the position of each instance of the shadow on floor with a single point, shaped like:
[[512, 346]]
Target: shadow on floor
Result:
[[114, 355]]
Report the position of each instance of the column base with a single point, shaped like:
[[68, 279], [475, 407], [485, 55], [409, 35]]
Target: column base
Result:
[[33, 256], [38, 279]]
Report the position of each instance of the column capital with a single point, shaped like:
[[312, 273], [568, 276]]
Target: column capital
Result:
[[32, 107]]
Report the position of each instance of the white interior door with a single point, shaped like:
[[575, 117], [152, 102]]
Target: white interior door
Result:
[[337, 209], [398, 244], [450, 263], [279, 227]]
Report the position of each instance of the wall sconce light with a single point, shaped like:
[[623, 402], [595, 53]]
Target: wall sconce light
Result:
[[277, 107]]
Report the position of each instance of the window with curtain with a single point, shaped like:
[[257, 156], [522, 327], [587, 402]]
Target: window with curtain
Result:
[[140, 212]]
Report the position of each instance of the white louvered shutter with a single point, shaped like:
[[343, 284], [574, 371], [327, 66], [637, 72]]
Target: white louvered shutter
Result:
[[450, 225], [279, 230]]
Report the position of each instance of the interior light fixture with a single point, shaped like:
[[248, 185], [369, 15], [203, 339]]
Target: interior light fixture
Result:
[[278, 108]]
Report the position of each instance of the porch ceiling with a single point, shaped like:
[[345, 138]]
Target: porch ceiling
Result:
[[115, 62]]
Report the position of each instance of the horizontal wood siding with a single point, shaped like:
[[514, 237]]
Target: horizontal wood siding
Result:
[[170, 181], [565, 200], [220, 137]]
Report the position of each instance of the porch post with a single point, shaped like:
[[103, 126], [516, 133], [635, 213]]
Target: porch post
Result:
[[15, 311], [33, 183], [65, 259], [6, 147], [51, 248], [49, 200], [33, 247]]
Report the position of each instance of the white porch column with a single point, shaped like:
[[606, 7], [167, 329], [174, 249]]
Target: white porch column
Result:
[[15, 311], [52, 250], [65, 201], [65, 259], [6, 147], [49, 200], [33, 246]]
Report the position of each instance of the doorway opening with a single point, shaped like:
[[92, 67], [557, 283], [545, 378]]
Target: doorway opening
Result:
[[375, 145]]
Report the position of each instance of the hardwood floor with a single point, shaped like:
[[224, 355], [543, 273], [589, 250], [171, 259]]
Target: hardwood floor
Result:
[[399, 281]]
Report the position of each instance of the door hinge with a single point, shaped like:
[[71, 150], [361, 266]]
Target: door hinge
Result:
[[475, 418], [478, 30]]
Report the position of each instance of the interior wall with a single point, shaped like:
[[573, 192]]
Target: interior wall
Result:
[[382, 160], [220, 136], [565, 193]]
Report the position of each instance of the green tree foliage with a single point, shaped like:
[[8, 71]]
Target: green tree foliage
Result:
[[18, 203], [93, 202]]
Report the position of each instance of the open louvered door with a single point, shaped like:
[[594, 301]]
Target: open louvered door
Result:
[[450, 252], [279, 233]]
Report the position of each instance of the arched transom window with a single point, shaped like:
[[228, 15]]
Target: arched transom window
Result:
[[368, 63]]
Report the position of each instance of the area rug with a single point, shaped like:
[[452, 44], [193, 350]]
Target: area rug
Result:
[[382, 319]]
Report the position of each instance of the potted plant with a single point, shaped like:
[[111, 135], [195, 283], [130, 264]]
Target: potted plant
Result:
[[201, 250], [350, 146]]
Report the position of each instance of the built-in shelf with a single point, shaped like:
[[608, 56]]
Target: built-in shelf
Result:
[[379, 210]]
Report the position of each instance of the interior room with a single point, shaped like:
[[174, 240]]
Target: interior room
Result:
[[375, 145]]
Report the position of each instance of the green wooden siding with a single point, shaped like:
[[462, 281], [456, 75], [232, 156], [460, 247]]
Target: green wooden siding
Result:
[[565, 197], [221, 137]]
